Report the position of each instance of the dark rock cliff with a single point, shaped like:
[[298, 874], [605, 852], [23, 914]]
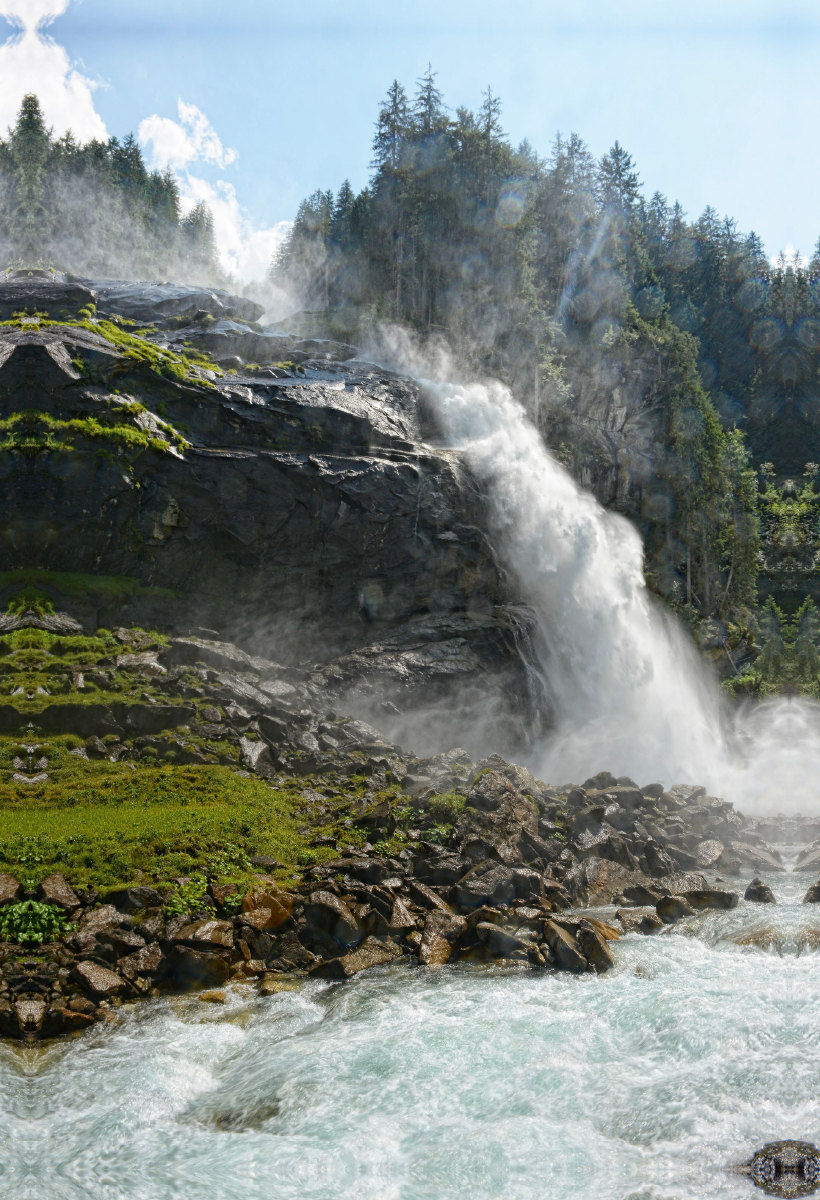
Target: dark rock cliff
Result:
[[297, 509]]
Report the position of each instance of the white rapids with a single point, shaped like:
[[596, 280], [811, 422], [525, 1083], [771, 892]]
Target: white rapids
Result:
[[458, 1085]]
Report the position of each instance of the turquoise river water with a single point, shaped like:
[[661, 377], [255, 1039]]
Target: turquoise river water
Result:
[[467, 1083]]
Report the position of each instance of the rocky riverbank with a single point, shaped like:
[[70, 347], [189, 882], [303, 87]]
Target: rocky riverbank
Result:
[[397, 858]]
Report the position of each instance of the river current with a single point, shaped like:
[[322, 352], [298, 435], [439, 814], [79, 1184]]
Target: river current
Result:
[[465, 1083]]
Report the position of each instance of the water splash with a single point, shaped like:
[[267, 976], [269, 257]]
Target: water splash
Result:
[[628, 688]]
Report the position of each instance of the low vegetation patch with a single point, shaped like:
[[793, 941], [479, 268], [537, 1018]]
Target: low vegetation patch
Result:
[[104, 824]]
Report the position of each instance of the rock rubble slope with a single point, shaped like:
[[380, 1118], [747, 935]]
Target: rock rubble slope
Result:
[[180, 814]]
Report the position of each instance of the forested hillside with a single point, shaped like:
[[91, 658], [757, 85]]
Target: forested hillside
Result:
[[669, 364], [96, 209], [559, 275]]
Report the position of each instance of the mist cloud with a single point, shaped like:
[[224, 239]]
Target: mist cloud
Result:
[[31, 61], [244, 249]]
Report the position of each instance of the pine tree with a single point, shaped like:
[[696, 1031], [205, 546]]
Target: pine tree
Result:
[[428, 107], [618, 183], [489, 118], [30, 145], [393, 126]]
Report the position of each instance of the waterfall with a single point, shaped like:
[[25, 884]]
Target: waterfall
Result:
[[629, 690]]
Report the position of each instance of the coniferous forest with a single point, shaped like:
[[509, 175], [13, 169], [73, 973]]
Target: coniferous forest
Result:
[[559, 275], [96, 209]]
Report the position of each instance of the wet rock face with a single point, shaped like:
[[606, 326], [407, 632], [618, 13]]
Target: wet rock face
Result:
[[315, 497], [785, 1168]]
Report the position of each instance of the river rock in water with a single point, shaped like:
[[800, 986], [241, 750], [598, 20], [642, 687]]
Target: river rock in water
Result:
[[759, 893]]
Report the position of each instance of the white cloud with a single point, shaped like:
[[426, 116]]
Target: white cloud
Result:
[[176, 144], [30, 61], [244, 249]]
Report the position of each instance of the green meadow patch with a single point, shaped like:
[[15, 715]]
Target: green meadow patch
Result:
[[104, 824]]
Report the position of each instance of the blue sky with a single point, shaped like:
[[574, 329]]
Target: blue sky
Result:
[[719, 103]]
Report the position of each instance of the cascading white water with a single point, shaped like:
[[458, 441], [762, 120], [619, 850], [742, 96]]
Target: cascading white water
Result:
[[629, 690]]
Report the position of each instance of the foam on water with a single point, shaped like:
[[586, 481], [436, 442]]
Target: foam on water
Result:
[[469, 1083]]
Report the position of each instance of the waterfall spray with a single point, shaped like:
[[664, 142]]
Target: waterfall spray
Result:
[[629, 690]]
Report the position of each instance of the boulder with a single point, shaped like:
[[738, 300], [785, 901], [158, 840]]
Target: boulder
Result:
[[594, 948], [488, 883], [97, 980], [808, 860], [706, 898], [441, 870], [188, 967], [330, 916], [95, 747], [371, 953], [642, 895], [400, 917], [367, 870], [607, 843], [673, 908], [124, 941], [268, 908], [55, 890], [757, 857], [680, 882], [759, 893], [146, 961], [564, 951], [503, 943], [597, 880], [105, 917], [222, 891], [639, 920], [708, 854], [30, 1013], [600, 782], [687, 792], [134, 899], [440, 938], [555, 895], [529, 884], [292, 954], [9, 889], [658, 861], [812, 896], [223, 656], [264, 862], [493, 820], [207, 933], [426, 897]]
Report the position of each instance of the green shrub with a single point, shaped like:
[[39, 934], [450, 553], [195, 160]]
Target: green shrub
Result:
[[188, 897], [31, 923], [444, 809]]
